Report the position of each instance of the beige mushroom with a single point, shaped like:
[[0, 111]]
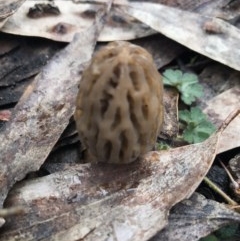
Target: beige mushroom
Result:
[[119, 110]]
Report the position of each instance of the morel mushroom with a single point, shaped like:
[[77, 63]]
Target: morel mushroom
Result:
[[119, 109]]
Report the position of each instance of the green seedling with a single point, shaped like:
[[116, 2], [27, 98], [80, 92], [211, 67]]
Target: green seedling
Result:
[[198, 128], [161, 146], [186, 83]]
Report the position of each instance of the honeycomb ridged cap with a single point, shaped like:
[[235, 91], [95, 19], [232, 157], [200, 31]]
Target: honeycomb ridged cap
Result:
[[119, 110]]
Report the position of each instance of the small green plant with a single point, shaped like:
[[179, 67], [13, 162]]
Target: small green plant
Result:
[[186, 83], [198, 128], [161, 146]]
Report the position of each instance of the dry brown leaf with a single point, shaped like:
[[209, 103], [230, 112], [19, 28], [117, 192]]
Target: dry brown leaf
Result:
[[163, 49], [215, 8], [230, 136], [221, 97], [73, 18], [7, 8], [221, 106], [195, 218], [22, 59], [99, 202], [170, 124], [209, 36], [24, 62], [44, 110], [223, 9], [215, 79]]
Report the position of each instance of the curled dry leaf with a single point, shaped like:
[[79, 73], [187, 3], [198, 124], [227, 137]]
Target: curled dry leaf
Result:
[[32, 20], [195, 218], [44, 110], [96, 202], [211, 37]]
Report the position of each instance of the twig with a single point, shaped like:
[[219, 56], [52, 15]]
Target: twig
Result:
[[219, 191], [5, 212], [234, 183]]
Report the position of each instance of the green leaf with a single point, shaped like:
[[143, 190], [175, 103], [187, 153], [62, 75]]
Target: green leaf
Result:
[[187, 84], [162, 146], [198, 128], [190, 93], [185, 115], [172, 77]]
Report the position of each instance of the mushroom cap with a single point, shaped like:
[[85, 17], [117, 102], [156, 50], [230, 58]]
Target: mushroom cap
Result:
[[119, 110]]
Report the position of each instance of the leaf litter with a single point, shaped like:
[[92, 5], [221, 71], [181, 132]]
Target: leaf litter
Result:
[[87, 201], [7, 8], [194, 218], [209, 36], [71, 19], [130, 202], [32, 131], [220, 106]]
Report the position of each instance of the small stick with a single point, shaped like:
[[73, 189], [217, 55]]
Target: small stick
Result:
[[219, 191], [228, 120], [235, 184], [5, 212]]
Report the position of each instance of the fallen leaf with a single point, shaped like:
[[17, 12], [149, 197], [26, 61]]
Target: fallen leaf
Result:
[[25, 61], [21, 64], [163, 49], [216, 8], [195, 218], [219, 107], [209, 36], [170, 123], [72, 18], [96, 202], [7, 8], [216, 79], [44, 110]]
